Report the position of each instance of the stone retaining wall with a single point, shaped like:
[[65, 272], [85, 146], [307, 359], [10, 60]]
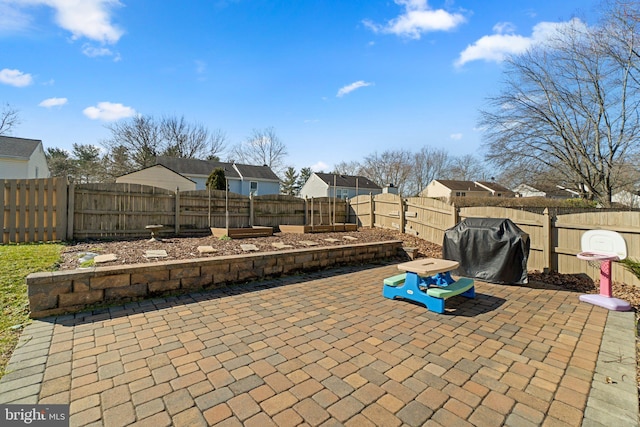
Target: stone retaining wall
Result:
[[58, 292]]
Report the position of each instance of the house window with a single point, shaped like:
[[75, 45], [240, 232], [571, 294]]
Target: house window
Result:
[[460, 194], [254, 188], [36, 172], [344, 194]]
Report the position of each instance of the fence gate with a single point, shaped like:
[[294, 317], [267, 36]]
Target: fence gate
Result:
[[33, 210]]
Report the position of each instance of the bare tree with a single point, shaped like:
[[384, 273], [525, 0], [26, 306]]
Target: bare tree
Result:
[[190, 141], [429, 164], [390, 167], [140, 136], [9, 118], [571, 105], [465, 168], [262, 147], [144, 138], [347, 168]]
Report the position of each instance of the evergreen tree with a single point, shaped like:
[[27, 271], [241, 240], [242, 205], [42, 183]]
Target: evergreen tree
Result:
[[217, 180], [290, 182], [305, 173]]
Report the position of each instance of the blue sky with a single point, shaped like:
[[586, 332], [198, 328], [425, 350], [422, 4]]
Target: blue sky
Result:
[[336, 79]]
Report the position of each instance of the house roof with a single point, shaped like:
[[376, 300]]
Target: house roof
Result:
[[495, 186], [155, 166], [18, 148], [347, 180], [453, 184], [196, 166], [205, 167], [260, 172]]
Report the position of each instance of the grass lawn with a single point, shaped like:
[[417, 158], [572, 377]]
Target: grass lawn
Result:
[[16, 262]]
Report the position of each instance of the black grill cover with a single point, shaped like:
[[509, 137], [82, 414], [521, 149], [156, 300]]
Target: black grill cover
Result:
[[489, 249]]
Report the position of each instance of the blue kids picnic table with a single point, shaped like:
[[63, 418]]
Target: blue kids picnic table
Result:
[[428, 281]]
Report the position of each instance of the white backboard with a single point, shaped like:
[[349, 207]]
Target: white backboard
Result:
[[605, 242]]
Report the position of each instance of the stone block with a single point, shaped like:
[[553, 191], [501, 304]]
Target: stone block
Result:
[[229, 276], [81, 298], [132, 291], [196, 282], [150, 275], [81, 285], [215, 269], [40, 302], [113, 281], [302, 258], [163, 286], [179, 273], [249, 274], [63, 287]]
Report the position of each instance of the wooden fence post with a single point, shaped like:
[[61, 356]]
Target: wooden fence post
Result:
[[455, 215], [547, 255], [71, 200], [177, 201], [401, 213], [251, 210], [371, 210]]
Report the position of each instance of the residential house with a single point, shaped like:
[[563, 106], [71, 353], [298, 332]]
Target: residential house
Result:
[[185, 173], [158, 176], [22, 158], [542, 190], [627, 198], [448, 188], [342, 186]]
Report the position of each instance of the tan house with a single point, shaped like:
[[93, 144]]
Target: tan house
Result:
[[447, 188], [158, 176]]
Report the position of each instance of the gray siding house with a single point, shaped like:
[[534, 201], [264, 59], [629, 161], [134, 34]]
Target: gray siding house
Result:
[[22, 158], [243, 179], [322, 185]]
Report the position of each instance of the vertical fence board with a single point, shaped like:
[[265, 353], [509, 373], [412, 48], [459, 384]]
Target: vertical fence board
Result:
[[13, 200], [32, 211]]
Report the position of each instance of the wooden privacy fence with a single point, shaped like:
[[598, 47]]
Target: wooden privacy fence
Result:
[[117, 210], [554, 239], [33, 210], [52, 209]]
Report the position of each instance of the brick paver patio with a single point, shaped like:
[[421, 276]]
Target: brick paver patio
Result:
[[327, 349]]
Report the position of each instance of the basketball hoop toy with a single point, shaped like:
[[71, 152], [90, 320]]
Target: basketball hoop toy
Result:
[[601, 247]]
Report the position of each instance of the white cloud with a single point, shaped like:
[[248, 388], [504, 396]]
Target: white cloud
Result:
[[456, 136], [92, 51], [418, 18], [15, 78], [53, 102], [319, 166], [12, 19], [90, 19], [353, 86], [108, 112], [498, 46]]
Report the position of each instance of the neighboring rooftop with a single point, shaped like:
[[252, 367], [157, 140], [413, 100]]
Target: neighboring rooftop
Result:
[[205, 167], [347, 180], [17, 148]]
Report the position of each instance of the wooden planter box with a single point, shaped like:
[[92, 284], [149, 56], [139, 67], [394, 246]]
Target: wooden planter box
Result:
[[302, 229], [240, 233]]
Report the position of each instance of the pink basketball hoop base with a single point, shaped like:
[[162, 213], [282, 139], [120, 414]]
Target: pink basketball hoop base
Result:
[[604, 299], [609, 303]]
